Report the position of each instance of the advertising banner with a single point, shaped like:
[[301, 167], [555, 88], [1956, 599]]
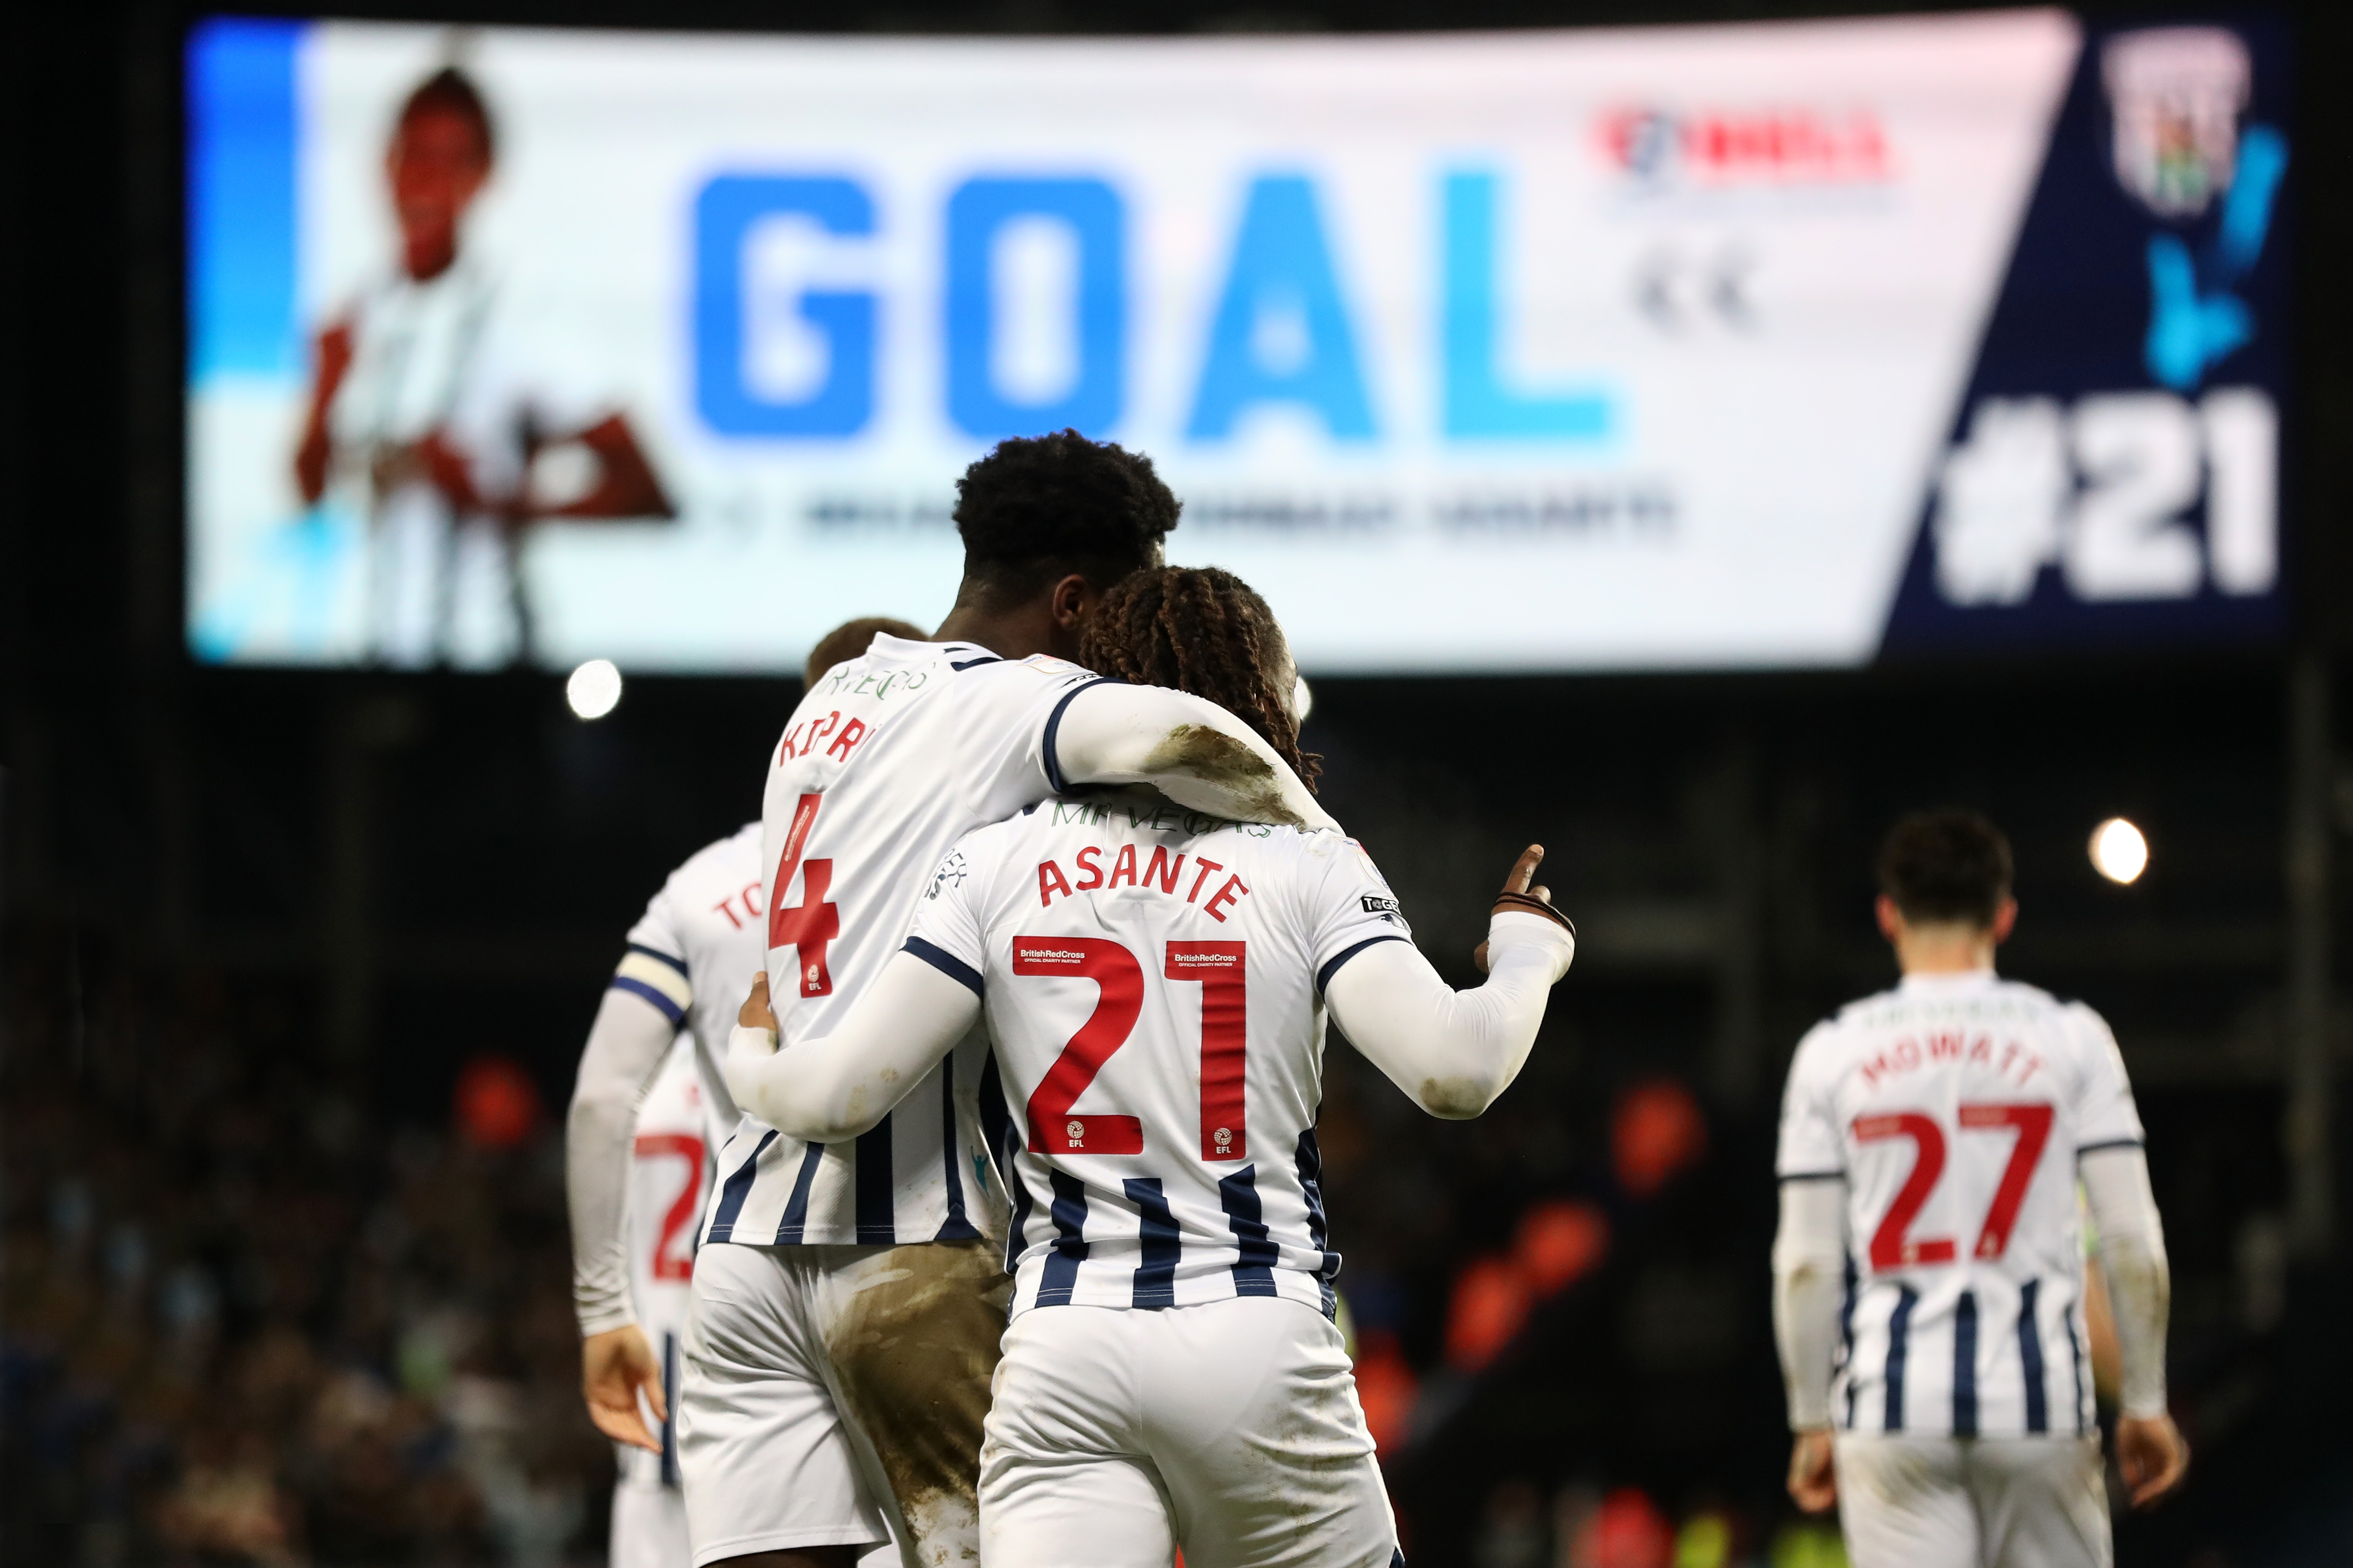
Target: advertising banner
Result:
[[1770, 345]]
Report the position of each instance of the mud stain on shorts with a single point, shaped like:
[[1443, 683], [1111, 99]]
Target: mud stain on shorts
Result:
[[914, 1352], [1215, 757]]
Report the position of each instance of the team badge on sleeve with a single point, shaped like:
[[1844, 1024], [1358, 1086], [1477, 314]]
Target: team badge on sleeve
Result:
[[951, 874]]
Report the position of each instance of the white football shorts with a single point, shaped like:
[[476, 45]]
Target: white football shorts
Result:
[[649, 1527], [1972, 1502], [830, 1389], [1230, 1429]]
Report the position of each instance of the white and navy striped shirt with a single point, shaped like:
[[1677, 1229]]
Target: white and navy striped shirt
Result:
[[892, 758], [1153, 980], [1953, 1109]]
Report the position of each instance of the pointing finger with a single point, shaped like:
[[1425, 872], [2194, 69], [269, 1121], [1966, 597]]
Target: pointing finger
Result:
[[1524, 871]]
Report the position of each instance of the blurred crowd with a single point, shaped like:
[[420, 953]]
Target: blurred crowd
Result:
[[246, 1320]]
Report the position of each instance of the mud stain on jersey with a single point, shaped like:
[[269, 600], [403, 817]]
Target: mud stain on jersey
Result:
[[1217, 758], [914, 1351], [1452, 1099]]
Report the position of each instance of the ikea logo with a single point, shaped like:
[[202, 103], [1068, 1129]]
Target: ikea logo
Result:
[[1283, 330]]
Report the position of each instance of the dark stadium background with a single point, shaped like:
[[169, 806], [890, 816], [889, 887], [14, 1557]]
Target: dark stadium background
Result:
[[255, 923]]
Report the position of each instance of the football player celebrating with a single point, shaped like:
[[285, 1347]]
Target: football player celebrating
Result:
[[648, 1110], [848, 1302], [1156, 981], [1927, 1278]]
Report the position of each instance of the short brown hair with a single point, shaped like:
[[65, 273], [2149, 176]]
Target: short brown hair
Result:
[[451, 91], [1946, 865], [1204, 631], [848, 641]]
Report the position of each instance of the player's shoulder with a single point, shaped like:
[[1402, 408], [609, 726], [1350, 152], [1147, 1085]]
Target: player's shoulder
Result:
[[727, 860]]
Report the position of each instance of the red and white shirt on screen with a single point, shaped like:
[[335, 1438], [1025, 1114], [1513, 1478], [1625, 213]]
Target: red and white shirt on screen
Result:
[[1954, 1109]]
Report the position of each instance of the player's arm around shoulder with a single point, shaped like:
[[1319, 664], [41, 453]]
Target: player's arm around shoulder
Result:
[[839, 1085], [1188, 748], [1455, 1053]]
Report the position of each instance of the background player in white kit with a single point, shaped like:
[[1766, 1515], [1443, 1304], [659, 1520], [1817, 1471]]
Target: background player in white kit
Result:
[[1155, 982], [848, 1310], [649, 1087], [1929, 1271]]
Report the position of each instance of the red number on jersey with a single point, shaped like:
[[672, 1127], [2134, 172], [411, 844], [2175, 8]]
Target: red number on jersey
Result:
[[2034, 1125], [808, 927], [1119, 980], [669, 1263], [1220, 967], [1889, 1247]]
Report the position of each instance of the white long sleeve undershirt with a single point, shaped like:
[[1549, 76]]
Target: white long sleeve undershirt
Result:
[[2132, 1254], [627, 1045], [1452, 1052], [1808, 1278], [1187, 747]]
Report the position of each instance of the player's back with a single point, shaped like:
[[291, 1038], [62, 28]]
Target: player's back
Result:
[[885, 763], [1954, 1108], [1151, 979]]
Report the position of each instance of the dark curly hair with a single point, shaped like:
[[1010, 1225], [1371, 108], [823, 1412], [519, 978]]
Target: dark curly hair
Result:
[[1947, 864], [1041, 508], [451, 91], [1204, 631]]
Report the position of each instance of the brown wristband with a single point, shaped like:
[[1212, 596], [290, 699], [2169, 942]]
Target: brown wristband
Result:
[[1521, 904]]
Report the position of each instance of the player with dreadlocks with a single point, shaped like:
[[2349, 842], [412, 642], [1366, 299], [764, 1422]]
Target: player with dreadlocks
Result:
[[1206, 632], [1155, 982]]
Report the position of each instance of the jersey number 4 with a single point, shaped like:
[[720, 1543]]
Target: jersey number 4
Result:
[[809, 926], [1218, 968], [1892, 1245]]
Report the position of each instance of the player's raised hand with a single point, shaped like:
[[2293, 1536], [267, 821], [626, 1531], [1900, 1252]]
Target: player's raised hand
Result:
[[614, 1366], [2152, 1456], [1813, 1473], [1520, 896]]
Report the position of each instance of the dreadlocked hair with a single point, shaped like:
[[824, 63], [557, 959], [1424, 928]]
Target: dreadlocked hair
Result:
[[1204, 631]]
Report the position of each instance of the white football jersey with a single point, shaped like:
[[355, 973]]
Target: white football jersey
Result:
[[892, 758], [1154, 980], [1954, 1108], [670, 1177], [696, 950]]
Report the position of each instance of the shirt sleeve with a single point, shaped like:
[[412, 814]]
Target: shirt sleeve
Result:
[[1353, 908], [947, 931], [1809, 1146], [2106, 1116], [654, 967], [1017, 709]]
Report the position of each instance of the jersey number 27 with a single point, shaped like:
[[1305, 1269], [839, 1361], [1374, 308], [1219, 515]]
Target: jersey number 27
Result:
[[1892, 1246]]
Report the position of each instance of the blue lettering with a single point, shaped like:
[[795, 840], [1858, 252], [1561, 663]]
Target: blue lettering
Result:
[[1476, 403], [1282, 276], [1093, 210], [724, 215]]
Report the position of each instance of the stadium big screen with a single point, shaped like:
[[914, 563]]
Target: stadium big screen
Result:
[[1714, 347]]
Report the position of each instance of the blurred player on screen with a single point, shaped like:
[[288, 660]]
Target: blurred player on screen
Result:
[[1155, 982], [429, 403], [1928, 1275], [647, 1113], [849, 1301]]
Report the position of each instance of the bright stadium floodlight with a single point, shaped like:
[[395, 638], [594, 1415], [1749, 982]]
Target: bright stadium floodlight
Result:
[[594, 689], [1301, 698], [2119, 853]]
